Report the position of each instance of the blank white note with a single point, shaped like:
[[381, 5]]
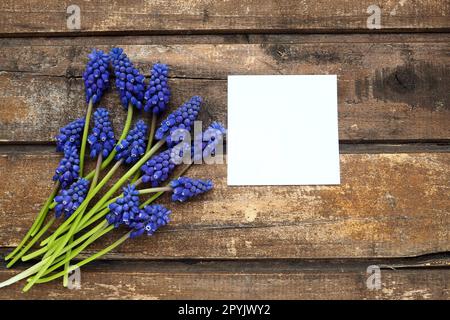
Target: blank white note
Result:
[[282, 130]]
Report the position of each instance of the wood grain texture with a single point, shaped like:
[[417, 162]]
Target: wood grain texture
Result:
[[33, 17], [388, 205], [386, 90], [238, 280]]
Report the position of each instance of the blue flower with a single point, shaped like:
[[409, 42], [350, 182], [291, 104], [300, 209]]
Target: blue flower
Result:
[[126, 208], [158, 168], [96, 75], [150, 219], [182, 118], [157, 94], [68, 200], [133, 146], [70, 135], [185, 188], [68, 168], [102, 137], [128, 79]]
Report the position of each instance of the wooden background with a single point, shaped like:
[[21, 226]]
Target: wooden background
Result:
[[392, 208]]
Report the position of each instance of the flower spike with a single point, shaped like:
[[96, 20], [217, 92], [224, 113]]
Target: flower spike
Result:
[[158, 168], [70, 135], [185, 188], [96, 75], [68, 168], [133, 146], [68, 200], [102, 137], [182, 118], [157, 94], [150, 219], [124, 209], [129, 81]]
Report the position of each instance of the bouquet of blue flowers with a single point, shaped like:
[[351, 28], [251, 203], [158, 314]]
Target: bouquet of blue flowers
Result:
[[86, 209]]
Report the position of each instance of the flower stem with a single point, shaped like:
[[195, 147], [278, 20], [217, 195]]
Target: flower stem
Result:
[[23, 274], [85, 135], [56, 252], [149, 143], [31, 243], [152, 190], [96, 172], [124, 134], [67, 264], [77, 251], [152, 132], [59, 261], [93, 185], [73, 244], [41, 217], [87, 260]]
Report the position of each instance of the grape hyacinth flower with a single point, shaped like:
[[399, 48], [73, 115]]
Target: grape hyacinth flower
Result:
[[124, 209], [102, 138], [158, 168], [182, 118], [150, 219], [96, 75], [185, 188], [157, 94], [128, 79], [133, 146], [68, 168], [68, 200], [70, 135]]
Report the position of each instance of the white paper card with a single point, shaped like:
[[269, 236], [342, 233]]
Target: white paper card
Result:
[[282, 130]]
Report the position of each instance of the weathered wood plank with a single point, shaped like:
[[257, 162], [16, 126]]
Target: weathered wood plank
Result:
[[387, 90], [37, 18], [238, 280], [388, 205]]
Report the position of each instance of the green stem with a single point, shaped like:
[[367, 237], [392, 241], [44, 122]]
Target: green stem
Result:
[[72, 245], [124, 134], [152, 132], [153, 190], [41, 216], [67, 264], [85, 135], [96, 172], [31, 243], [78, 250], [24, 274], [59, 261], [87, 260], [58, 248], [93, 185], [149, 143]]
